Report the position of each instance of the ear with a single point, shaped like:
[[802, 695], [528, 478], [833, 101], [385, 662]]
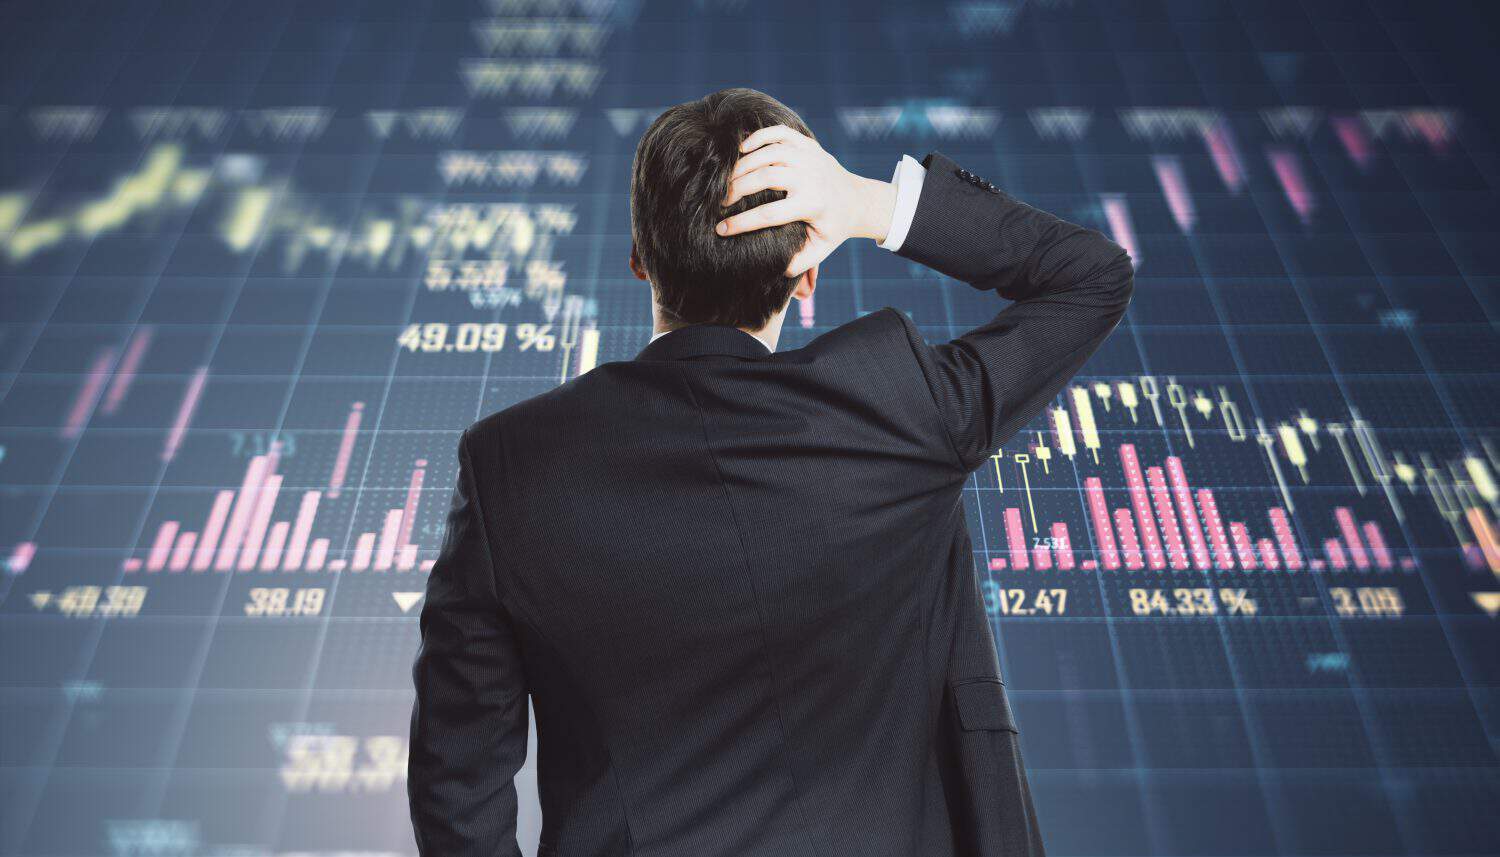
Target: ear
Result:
[[806, 284], [635, 264]]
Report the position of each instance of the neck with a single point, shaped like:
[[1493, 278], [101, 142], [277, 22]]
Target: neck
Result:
[[769, 334]]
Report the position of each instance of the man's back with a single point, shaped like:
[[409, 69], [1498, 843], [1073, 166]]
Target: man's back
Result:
[[729, 557], [739, 587]]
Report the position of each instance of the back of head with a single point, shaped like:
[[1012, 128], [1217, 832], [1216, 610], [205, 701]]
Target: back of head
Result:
[[680, 177]]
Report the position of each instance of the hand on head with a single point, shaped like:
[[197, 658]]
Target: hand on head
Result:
[[835, 204]]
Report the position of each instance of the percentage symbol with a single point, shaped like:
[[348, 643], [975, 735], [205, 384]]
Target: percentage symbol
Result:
[[538, 335], [1238, 602]]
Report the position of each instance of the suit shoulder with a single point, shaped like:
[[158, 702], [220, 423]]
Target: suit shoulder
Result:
[[872, 330], [542, 409]]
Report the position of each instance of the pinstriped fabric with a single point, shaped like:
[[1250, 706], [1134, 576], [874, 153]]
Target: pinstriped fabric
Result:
[[1070, 286], [738, 585]]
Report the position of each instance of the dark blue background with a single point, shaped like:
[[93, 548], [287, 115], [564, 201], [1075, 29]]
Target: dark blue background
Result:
[[187, 724]]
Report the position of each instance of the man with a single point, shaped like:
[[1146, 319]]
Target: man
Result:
[[736, 582]]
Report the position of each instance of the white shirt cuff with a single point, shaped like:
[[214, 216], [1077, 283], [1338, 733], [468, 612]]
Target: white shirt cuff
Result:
[[908, 181]]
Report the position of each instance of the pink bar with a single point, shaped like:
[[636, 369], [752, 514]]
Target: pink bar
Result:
[[1129, 547], [346, 449], [183, 552], [301, 530], [1334, 549], [88, 394], [388, 534], [243, 515], [362, 550], [1183, 494], [1351, 134], [20, 557], [1225, 155], [316, 554], [265, 504], [805, 310], [1015, 538], [244, 506], [406, 560], [1088, 565], [1433, 128], [156, 560], [133, 564], [271, 556], [185, 411], [205, 550], [1288, 171], [1142, 506], [1268, 556], [413, 497], [1064, 546], [125, 372], [1473, 556], [1041, 557], [1120, 227], [1281, 528], [427, 564], [1174, 187], [1484, 534], [1377, 545], [1103, 532], [1163, 503], [1350, 532], [996, 563], [1223, 559], [1242, 546]]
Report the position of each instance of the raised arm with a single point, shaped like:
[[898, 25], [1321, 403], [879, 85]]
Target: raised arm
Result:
[[469, 721], [1070, 286]]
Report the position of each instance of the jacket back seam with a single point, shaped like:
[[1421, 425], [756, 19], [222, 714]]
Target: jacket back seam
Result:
[[759, 609]]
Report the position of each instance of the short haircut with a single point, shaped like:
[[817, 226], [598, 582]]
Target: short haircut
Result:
[[679, 178]]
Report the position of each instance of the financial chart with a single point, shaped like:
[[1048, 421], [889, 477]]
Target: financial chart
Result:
[[262, 262]]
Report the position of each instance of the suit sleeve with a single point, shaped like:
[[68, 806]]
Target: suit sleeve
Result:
[[1069, 285], [469, 721]]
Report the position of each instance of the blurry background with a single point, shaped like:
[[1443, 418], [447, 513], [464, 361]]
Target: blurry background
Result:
[[260, 262]]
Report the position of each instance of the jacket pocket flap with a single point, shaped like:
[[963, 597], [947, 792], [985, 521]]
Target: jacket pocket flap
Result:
[[983, 704]]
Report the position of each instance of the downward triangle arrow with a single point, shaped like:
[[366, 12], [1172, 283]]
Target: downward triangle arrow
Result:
[[405, 600]]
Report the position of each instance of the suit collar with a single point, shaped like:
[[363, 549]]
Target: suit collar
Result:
[[696, 339]]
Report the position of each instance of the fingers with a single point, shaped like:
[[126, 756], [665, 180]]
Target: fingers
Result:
[[771, 134], [769, 214], [773, 177], [813, 252], [765, 156]]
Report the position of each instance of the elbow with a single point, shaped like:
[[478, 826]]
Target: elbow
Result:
[[1111, 281], [1125, 285]]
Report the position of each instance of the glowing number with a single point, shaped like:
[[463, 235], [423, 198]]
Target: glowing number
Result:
[[434, 336], [410, 338]]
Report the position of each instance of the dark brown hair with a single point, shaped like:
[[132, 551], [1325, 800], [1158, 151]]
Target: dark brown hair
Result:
[[680, 176]]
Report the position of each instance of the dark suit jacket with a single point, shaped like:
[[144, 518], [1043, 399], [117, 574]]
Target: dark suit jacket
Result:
[[738, 585]]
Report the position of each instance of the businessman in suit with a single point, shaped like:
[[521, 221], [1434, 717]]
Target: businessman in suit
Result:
[[736, 582]]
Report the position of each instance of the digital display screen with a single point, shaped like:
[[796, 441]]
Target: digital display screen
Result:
[[262, 262]]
